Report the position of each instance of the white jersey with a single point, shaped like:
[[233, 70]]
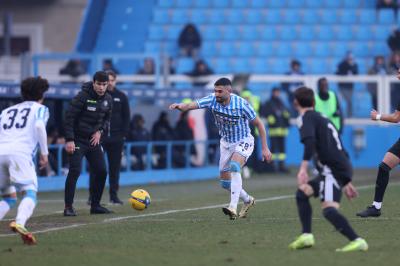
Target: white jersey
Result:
[[19, 134]]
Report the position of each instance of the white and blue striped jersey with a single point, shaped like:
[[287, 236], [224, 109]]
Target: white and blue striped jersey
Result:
[[18, 134], [232, 120]]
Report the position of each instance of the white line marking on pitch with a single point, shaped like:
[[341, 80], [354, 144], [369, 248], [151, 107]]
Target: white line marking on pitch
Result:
[[108, 220]]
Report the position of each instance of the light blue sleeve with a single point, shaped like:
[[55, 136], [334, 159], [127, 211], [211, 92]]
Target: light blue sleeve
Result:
[[206, 102], [249, 111]]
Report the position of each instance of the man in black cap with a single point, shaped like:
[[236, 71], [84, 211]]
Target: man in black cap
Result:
[[86, 119]]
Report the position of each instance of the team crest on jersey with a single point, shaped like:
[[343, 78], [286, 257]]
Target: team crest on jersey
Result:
[[234, 111], [105, 103]]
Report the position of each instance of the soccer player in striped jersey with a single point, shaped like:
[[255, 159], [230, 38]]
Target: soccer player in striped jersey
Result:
[[22, 129], [232, 115]]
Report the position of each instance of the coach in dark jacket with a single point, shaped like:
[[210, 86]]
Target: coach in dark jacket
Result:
[[114, 137], [86, 120]]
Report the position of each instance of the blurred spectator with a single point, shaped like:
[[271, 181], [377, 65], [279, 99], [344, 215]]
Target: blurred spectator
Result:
[[53, 138], [147, 69], [345, 68], [138, 133], [200, 69], [189, 41], [327, 103], [212, 134], [73, 68], [277, 116], [379, 68], [109, 66], [393, 41], [162, 131], [394, 66], [183, 131], [289, 88], [385, 4]]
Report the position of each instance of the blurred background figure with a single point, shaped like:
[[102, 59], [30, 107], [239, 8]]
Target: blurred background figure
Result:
[[162, 131], [289, 88], [347, 67], [277, 116], [147, 69], [109, 66], [378, 68], [327, 103], [73, 68], [183, 131], [387, 4], [189, 41], [200, 69], [138, 133], [394, 66]]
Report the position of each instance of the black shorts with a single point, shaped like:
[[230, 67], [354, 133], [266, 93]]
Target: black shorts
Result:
[[395, 149], [326, 187]]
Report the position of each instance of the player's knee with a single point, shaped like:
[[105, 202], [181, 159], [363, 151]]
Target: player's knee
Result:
[[300, 195], [11, 201], [226, 184], [234, 166], [31, 194], [329, 212], [384, 167]]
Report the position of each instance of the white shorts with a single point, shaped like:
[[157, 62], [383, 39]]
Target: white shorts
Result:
[[17, 171], [244, 147]]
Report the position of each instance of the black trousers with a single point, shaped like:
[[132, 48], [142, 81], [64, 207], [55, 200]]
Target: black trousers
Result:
[[113, 150], [95, 157]]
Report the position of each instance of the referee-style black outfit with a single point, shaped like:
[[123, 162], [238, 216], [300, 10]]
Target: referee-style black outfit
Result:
[[88, 113], [333, 162], [113, 141]]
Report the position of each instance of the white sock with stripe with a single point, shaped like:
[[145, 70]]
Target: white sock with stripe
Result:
[[4, 208], [25, 210], [236, 188]]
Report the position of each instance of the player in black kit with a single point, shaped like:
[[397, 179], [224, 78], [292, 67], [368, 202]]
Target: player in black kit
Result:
[[320, 137], [390, 161]]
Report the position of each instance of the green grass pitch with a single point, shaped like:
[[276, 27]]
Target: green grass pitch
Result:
[[184, 225]]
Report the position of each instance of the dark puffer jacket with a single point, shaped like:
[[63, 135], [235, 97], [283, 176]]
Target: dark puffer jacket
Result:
[[87, 113]]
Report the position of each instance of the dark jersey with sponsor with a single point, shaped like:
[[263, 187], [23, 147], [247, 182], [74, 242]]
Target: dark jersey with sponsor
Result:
[[328, 145]]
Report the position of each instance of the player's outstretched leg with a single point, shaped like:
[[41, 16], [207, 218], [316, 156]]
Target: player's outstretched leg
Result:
[[236, 188], [7, 203], [382, 181], [306, 239], [342, 225]]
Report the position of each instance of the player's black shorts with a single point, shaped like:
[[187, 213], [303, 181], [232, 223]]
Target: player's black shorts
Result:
[[326, 187], [395, 149]]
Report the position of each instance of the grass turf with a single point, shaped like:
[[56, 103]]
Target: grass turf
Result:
[[173, 231]]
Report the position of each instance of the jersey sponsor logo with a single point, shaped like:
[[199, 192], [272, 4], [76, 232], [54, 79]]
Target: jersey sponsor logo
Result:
[[117, 99], [91, 101], [91, 108]]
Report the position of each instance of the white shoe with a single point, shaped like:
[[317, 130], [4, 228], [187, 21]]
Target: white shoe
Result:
[[246, 172], [246, 207], [230, 212]]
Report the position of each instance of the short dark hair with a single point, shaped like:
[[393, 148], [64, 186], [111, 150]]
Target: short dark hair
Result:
[[33, 88], [223, 82], [111, 73], [304, 96], [100, 76]]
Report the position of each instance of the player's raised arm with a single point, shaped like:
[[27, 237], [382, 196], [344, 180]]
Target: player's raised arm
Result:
[[183, 107], [391, 118]]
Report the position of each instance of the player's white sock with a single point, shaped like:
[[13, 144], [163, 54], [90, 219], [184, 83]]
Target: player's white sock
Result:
[[377, 205], [236, 188], [25, 210], [4, 208], [244, 196]]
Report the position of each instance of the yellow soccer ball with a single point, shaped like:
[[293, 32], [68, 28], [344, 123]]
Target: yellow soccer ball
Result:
[[140, 199]]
